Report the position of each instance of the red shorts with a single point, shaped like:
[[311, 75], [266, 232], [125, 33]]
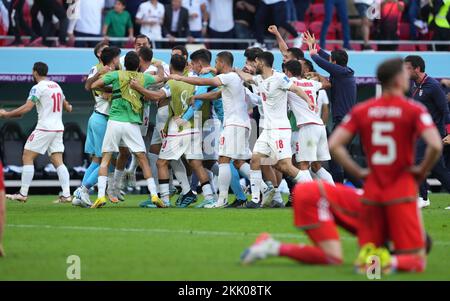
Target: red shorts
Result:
[[312, 213], [399, 223], [403, 188]]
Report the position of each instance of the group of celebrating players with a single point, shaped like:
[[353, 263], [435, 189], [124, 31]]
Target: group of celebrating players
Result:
[[202, 128]]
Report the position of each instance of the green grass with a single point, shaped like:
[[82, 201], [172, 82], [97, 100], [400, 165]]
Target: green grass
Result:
[[124, 242]]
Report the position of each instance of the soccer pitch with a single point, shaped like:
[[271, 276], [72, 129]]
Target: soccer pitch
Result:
[[124, 242]]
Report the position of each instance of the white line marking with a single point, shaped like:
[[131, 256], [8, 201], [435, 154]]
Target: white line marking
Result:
[[171, 231]]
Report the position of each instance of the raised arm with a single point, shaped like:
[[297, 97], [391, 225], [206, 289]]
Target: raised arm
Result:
[[281, 43], [197, 81]]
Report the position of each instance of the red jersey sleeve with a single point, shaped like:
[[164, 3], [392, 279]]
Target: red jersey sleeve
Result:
[[2, 183], [350, 122]]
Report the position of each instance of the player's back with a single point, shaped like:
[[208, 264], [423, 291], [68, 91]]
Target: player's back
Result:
[[302, 111], [49, 99], [233, 100], [389, 128]]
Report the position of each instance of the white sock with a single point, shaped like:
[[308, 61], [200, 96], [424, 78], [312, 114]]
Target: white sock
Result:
[[164, 191], [118, 175], [303, 176], [27, 177], [224, 180], [323, 174], [215, 169], [151, 185], [207, 191], [179, 170], [277, 196], [255, 184], [133, 165], [110, 182], [152, 158], [244, 170], [101, 185], [64, 179], [211, 180], [171, 186]]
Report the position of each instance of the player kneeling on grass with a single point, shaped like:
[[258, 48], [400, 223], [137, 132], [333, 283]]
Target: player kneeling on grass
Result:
[[125, 116], [48, 134], [182, 138]]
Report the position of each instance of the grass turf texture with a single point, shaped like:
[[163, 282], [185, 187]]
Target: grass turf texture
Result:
[[124, 242]]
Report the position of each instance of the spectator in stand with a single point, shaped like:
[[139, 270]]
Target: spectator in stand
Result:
[[132, 8], [50, 8], [342, 92], [362, 6], [150, 16], [439, 21], [301, 6], [198, 17], [413, 14], [341, 7], [277, 10], [18, 25], [176, 21], [391, 15], [118, 23], [221, 22], [244, 18], [89, 23]]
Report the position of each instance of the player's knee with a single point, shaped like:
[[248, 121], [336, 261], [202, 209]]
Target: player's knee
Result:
[[315, 166], [304, 165], [162, 163]]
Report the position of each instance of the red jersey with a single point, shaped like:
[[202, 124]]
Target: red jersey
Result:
[[389, 128]]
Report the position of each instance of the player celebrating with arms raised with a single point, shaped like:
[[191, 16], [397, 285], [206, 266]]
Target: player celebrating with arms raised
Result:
[[389, 127], [48, 135]]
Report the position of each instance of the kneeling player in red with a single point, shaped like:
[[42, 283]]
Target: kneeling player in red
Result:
[[318, 208], [389, 127]]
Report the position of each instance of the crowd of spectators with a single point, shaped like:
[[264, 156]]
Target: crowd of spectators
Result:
[[344, 20]]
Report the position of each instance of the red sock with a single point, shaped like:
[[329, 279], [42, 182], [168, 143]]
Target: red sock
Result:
[[410, 263], [307, 254]]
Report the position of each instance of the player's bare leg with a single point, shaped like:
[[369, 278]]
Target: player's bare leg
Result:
[[327, 252], [115, 179], [28, 158], [321, 173], [102, 180], [148, 176], [303, 166], [63, 176]]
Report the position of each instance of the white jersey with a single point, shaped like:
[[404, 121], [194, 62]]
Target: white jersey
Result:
[[302, 111], [233, 100], [49, 100], [273, 91], [101, 105], [322, 99]]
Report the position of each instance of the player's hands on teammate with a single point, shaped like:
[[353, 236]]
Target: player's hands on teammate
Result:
[[180, 121], [206, 70], [175, 77], [105, 70], [134, 84]]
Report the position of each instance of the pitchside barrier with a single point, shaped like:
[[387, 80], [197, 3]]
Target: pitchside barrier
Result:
[[70, 66]]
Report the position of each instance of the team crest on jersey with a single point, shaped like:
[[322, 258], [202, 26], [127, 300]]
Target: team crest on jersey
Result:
[[286, 79], [420, 92]]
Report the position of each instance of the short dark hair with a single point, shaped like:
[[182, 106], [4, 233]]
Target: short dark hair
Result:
[[142, 36], [203, 55], [416, 61], [183, 50], [131, 61], [41, 68], [340, 56], [226, 57], [296, 52], [252, 52], [309, 64], [146, 54], [98, 46], [267, 57], [178, 62], [294, 67], [124, 3], [109, 53], [388, 70]]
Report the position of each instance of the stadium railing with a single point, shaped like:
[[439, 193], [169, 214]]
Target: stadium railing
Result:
[[249, 42]]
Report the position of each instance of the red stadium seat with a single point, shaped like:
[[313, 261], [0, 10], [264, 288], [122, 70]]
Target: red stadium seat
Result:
[[317, 11], [356, 47], [300, 26], [404, 31], [422, 47], [406, 47], [316, 27]]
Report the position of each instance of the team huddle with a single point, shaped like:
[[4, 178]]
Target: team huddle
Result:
[[201, 137]]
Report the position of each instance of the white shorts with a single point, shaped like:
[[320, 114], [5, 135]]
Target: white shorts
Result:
[[212, 128], [234, 142], [312, 144], [275, 144], [123, 134], [186, 143], [145, 120], [161, 119], [41, 141], [294, 142]]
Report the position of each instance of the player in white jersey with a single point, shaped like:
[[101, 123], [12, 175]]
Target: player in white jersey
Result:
[[48, 134], [312, 143], [234, 140], [275, 140]]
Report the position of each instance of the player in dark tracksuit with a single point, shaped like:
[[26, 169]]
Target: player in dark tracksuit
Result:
[[429, 92]]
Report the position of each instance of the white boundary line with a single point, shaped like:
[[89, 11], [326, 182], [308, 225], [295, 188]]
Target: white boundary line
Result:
[[169, 231]]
